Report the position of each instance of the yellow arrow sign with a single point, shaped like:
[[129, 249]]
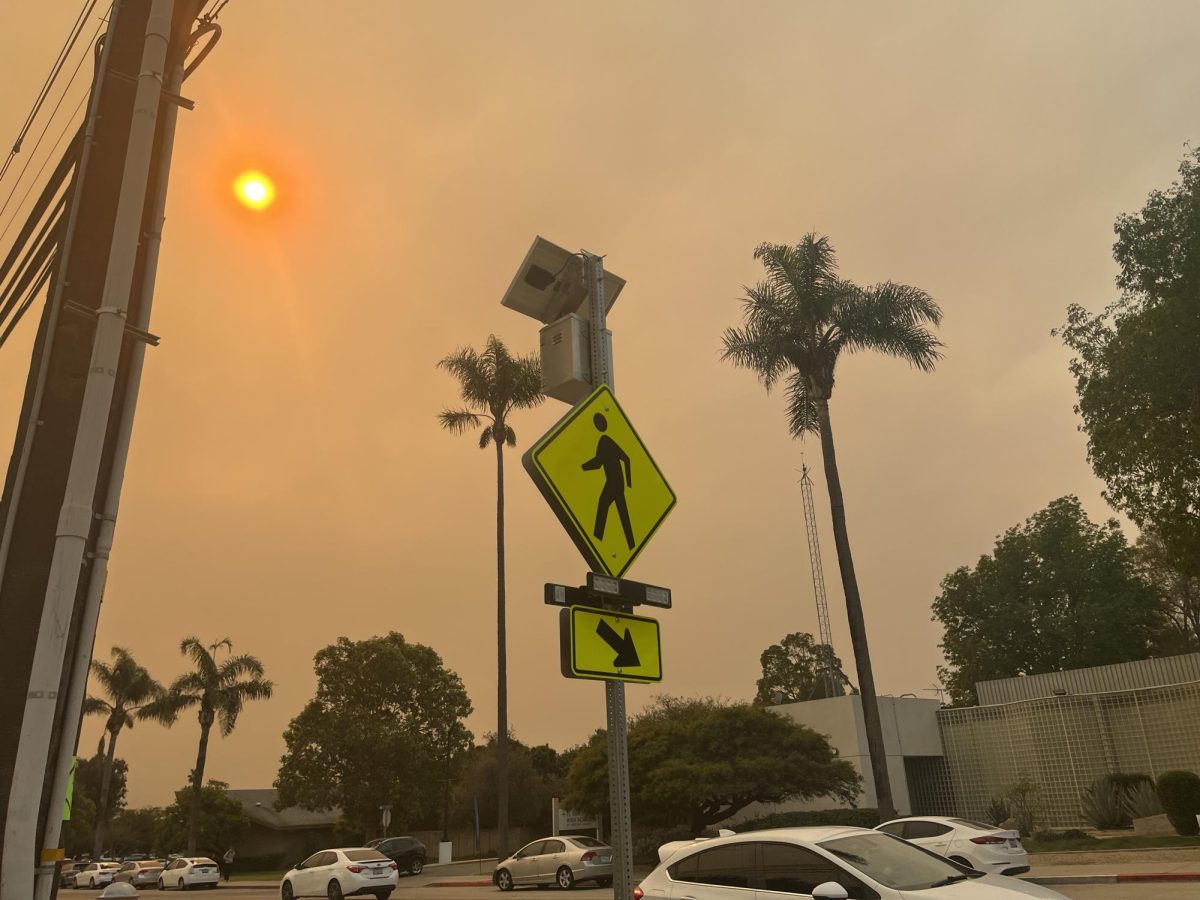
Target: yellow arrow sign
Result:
[[601, 482], [610, 646]]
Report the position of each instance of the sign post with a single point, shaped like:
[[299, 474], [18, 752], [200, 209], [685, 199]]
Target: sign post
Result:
[[600, 480]]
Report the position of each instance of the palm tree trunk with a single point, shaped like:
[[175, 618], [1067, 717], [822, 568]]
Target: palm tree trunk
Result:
[[105, 785], [206, 721], [502, 666], [858, 627]]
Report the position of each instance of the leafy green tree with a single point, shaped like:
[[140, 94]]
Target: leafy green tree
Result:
[[533, 780], [1057, 592], [798, 668], [1137, 370], [135, 830], [796, 325], [386, 717], [701, 761], [493, 384], [79, 833], [218, 690], [1182, 592], [214, 824], [130, 695]]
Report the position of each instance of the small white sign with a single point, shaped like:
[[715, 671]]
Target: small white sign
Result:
[[569, 820]]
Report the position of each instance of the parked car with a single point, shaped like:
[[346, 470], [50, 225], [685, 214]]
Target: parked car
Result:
[[565, 860], [186, 872], [96, 874], [972, 844], [345, 872], [66, 875], [139, 872], [830, 863], [408, 853]]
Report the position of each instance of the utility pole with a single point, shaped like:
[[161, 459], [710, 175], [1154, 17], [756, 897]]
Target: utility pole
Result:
[[63, 487], [617, 731]]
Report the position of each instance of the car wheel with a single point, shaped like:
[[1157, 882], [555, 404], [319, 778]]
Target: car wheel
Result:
[[182, 886], [383, 895], [565, 879], [285, 892], [92, 883], [161, 886], [415, 867], [334, 891], [504, 880]]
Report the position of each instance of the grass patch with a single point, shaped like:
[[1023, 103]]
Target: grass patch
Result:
[[258, 876], [1125, 842]]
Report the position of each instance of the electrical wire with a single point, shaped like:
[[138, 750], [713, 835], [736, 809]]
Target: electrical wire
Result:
[[68, 46]]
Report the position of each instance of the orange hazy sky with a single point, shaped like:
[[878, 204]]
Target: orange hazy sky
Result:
[[289, 482]]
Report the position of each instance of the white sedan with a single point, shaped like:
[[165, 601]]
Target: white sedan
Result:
[[96, 874], [970, 843], [344, 872], [831, 863], [186, 872]]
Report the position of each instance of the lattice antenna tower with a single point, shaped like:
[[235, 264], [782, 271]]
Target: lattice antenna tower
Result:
[[818, 578]]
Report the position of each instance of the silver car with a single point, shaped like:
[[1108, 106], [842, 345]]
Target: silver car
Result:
[[565, 860], [140, 873]]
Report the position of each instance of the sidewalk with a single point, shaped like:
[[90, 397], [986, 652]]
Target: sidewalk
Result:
[[1144, 870]]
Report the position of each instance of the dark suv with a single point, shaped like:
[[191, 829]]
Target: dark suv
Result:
[[406, 852]]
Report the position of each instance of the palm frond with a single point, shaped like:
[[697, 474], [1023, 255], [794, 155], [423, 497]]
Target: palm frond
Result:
[[456, 421], [485, 438], [236, 667], [471, 370], [891, 318], [94, 706], [510, 436], [201, 656], [802, 410]]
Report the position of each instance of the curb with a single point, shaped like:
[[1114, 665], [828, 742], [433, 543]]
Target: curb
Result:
[[1123, 878], [459, 883]]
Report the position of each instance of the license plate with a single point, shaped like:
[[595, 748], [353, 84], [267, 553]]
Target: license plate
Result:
[[378, 872], [1012, 844]]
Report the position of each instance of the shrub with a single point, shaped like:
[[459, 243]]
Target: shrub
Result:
[[1024, 801], [1141, 800], [997, 811], [858, 818], [1103, 806], [646, 841], [1179, 793]]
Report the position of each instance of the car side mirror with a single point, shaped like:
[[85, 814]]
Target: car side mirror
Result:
[[299, 865], [830, 890]]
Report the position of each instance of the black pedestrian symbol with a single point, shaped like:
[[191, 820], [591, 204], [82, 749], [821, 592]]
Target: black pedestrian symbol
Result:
[[617, 477]]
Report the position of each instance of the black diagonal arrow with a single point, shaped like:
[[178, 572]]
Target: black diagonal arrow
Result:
[[626, 653]]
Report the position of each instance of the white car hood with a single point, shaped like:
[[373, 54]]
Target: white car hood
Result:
[[989, 887]]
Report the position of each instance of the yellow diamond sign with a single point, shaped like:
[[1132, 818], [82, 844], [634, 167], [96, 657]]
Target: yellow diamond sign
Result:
[[608, 645], [601, 482]]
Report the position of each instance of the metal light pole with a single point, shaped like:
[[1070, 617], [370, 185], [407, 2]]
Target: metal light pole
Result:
[[614, 691]]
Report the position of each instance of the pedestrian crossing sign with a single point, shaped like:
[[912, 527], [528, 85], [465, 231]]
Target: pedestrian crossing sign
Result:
[[601, 482]]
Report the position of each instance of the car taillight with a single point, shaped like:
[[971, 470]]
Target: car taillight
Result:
[[393, 866], [355, 869], [637, 893], [591, 854], [987, 839]]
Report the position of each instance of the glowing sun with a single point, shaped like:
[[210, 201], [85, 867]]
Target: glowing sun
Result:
[[254, 190]]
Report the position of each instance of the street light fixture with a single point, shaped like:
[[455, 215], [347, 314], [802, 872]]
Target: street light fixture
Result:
[[551, 286]]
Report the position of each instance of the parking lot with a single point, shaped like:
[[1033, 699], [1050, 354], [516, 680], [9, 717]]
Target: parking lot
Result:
[[412, 890]]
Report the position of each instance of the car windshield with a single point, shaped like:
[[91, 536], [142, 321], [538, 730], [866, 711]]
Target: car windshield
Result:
[[360, 855], [584, 841], [894, 863]]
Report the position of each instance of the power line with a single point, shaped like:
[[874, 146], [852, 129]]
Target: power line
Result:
[[68, 46]]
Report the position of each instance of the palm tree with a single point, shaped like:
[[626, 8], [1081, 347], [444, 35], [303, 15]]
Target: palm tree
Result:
[[492, 384], [218, 691], [130, 695], [796, 325]]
